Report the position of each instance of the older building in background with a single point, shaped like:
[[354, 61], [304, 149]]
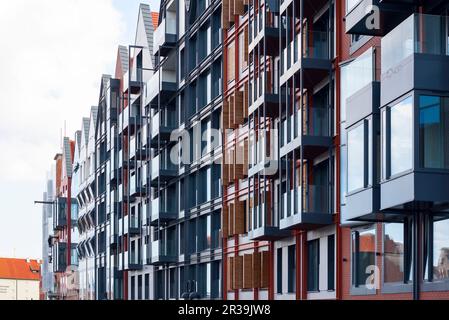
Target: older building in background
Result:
[[20, 279]]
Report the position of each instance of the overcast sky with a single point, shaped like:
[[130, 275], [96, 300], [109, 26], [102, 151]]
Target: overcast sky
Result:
[[52, 56]]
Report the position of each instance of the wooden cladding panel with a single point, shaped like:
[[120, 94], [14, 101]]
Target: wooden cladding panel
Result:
[[239, 7], [247, 271], [231, 211], [256, 269], [239, 216], [225, 14], [230, 274], [238, 109], [231, 62], [225, 223], [238, 272]]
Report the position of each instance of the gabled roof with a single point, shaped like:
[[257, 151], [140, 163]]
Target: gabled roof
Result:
[[149, 25], [86, 130], [122, 65], [68, 149], [19, 269], [155, 17]]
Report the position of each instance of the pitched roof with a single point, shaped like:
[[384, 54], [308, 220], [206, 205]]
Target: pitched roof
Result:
[[86, 124], [124, 58], [19, 269]]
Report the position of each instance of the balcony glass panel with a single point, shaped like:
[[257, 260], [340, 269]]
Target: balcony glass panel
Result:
[[420, 33]]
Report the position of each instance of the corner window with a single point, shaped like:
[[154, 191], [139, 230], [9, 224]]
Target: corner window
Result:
[[433, 126], [363, 257], [397, 138]]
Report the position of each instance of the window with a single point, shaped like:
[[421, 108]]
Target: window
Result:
[[313, 268], [439, 250], [356, 158], [147, 287], [139, 288], [397, 138], [279, 271], [133, 288], [363, 256], [173, 291], [331, 263], [433, 126], [292, 269], [397, 252]]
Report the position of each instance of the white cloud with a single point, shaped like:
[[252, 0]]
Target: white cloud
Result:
[[52, 56]]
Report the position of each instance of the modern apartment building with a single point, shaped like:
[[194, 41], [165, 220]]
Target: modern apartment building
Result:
[[268, 150], [83, 188]]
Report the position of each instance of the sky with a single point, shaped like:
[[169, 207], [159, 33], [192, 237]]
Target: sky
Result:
[[53, 54]]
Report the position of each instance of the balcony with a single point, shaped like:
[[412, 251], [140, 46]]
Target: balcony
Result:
[[129, 120], [415, 57], [133, 81], [161, 130], [265, 27], [162, 86], [136, 188], [113, 241], [162, 171], [132, 261], [306, 208], [262, 93], [360, 16], [134, 227], [163, 252], [137, 152], [162, 213], [61, 213], [314, 125], [265, 226], [313, 58], [165, 35]]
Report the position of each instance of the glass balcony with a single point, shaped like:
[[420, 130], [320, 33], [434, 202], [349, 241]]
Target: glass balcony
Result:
[[162, 170], [162, 85], [132, 261], [134, 224], [163, 252], [132, 81], [162, 211], [308, 51], [306, 208], [61, 213], [165, 35], [161, 129], [359, 17], [310, 128], [265, 24], [265, 224]]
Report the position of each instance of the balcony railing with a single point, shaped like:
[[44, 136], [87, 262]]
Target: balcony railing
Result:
[[163, 83], [160, 128], [162, 169], [163, 252], [165, 35], [162, 211], [306, 206], [419, 33]]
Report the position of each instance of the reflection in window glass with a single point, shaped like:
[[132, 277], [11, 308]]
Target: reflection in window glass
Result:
[[313, 268], [356, 155], [433, 124], [394, 253], [441, 250], [402, 136], [363, 256]]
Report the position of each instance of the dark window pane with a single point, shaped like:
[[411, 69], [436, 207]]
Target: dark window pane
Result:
[[313, 266], [331, 263], [292, 269]]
